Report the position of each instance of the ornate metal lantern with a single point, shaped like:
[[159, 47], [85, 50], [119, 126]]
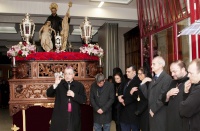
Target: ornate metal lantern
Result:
[[86, 31], [27, 28], [58, 42]]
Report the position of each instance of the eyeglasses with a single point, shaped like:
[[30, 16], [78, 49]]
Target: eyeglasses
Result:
[[140, 73]]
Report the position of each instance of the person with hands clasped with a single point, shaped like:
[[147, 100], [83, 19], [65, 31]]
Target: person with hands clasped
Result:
[[101, 99], [173, 97], [142, 106], [69, 94]]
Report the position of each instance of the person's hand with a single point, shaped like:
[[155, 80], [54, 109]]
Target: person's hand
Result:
[[123, 103], [120, 98], [146, 79], [133, 90], [151, 113], [70, 93], [172, 92], [187, 86], [100, 111], [57, 78]]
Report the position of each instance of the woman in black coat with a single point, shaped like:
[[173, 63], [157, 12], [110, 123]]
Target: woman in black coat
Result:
[[118, 80], [142, 110]]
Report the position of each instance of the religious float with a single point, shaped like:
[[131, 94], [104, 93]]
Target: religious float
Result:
[[33, 73]]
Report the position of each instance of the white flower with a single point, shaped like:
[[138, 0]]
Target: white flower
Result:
[[21, 49], [25, 53], [92, 50]]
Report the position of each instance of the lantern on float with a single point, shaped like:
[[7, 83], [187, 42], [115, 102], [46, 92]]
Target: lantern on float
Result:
[[86, 31], [27, 28]]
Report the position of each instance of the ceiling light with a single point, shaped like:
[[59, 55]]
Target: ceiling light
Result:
[[7, 30], [115, 1], [101, 3], [78, 32]]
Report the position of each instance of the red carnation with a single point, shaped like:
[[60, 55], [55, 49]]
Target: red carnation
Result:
[[24, 43], [19, 52], [96, 48]]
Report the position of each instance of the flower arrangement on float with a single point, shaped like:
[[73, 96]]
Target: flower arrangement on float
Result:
[[22, 50], [93, 49]]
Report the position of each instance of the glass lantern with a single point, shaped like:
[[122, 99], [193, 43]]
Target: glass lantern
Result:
[[86, 31], [27, 28]]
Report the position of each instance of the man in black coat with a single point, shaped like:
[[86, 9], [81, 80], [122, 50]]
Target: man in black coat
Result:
[[158, 86], [174, 96], [190, 106], [69, 94], [128, 118], [101, 98]]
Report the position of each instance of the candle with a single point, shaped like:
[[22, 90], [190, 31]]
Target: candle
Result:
[[100, 61], [14, 61]]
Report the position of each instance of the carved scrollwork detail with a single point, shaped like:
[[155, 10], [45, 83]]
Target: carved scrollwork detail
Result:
[[23, 70], [19, 88], [46, 105], [58, 67], [92, 69], [87, 85], [31, 91], [17, 107], [48, 69]]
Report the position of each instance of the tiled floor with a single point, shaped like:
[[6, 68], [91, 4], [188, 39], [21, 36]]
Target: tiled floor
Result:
[[6, 121]]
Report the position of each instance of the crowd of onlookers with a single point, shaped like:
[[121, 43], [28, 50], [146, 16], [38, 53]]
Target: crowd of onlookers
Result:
[[146, 101], [4, 93]]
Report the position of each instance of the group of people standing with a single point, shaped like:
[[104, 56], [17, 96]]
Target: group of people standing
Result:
[[137, 102], [145, 102]]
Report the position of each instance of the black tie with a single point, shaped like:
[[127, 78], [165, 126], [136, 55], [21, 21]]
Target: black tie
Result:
[[155, 78]]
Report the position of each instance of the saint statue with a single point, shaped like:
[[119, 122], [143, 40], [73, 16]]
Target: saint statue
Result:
[[45, 36], [56, 21], [65, 28]]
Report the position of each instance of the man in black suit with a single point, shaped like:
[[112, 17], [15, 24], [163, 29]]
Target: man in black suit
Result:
[[158, 86], [128, 118]]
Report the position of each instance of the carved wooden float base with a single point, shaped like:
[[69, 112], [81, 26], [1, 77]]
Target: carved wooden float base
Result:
[[33, 78]]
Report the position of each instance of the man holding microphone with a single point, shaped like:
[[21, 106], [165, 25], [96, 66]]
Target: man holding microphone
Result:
[[69, 94]]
